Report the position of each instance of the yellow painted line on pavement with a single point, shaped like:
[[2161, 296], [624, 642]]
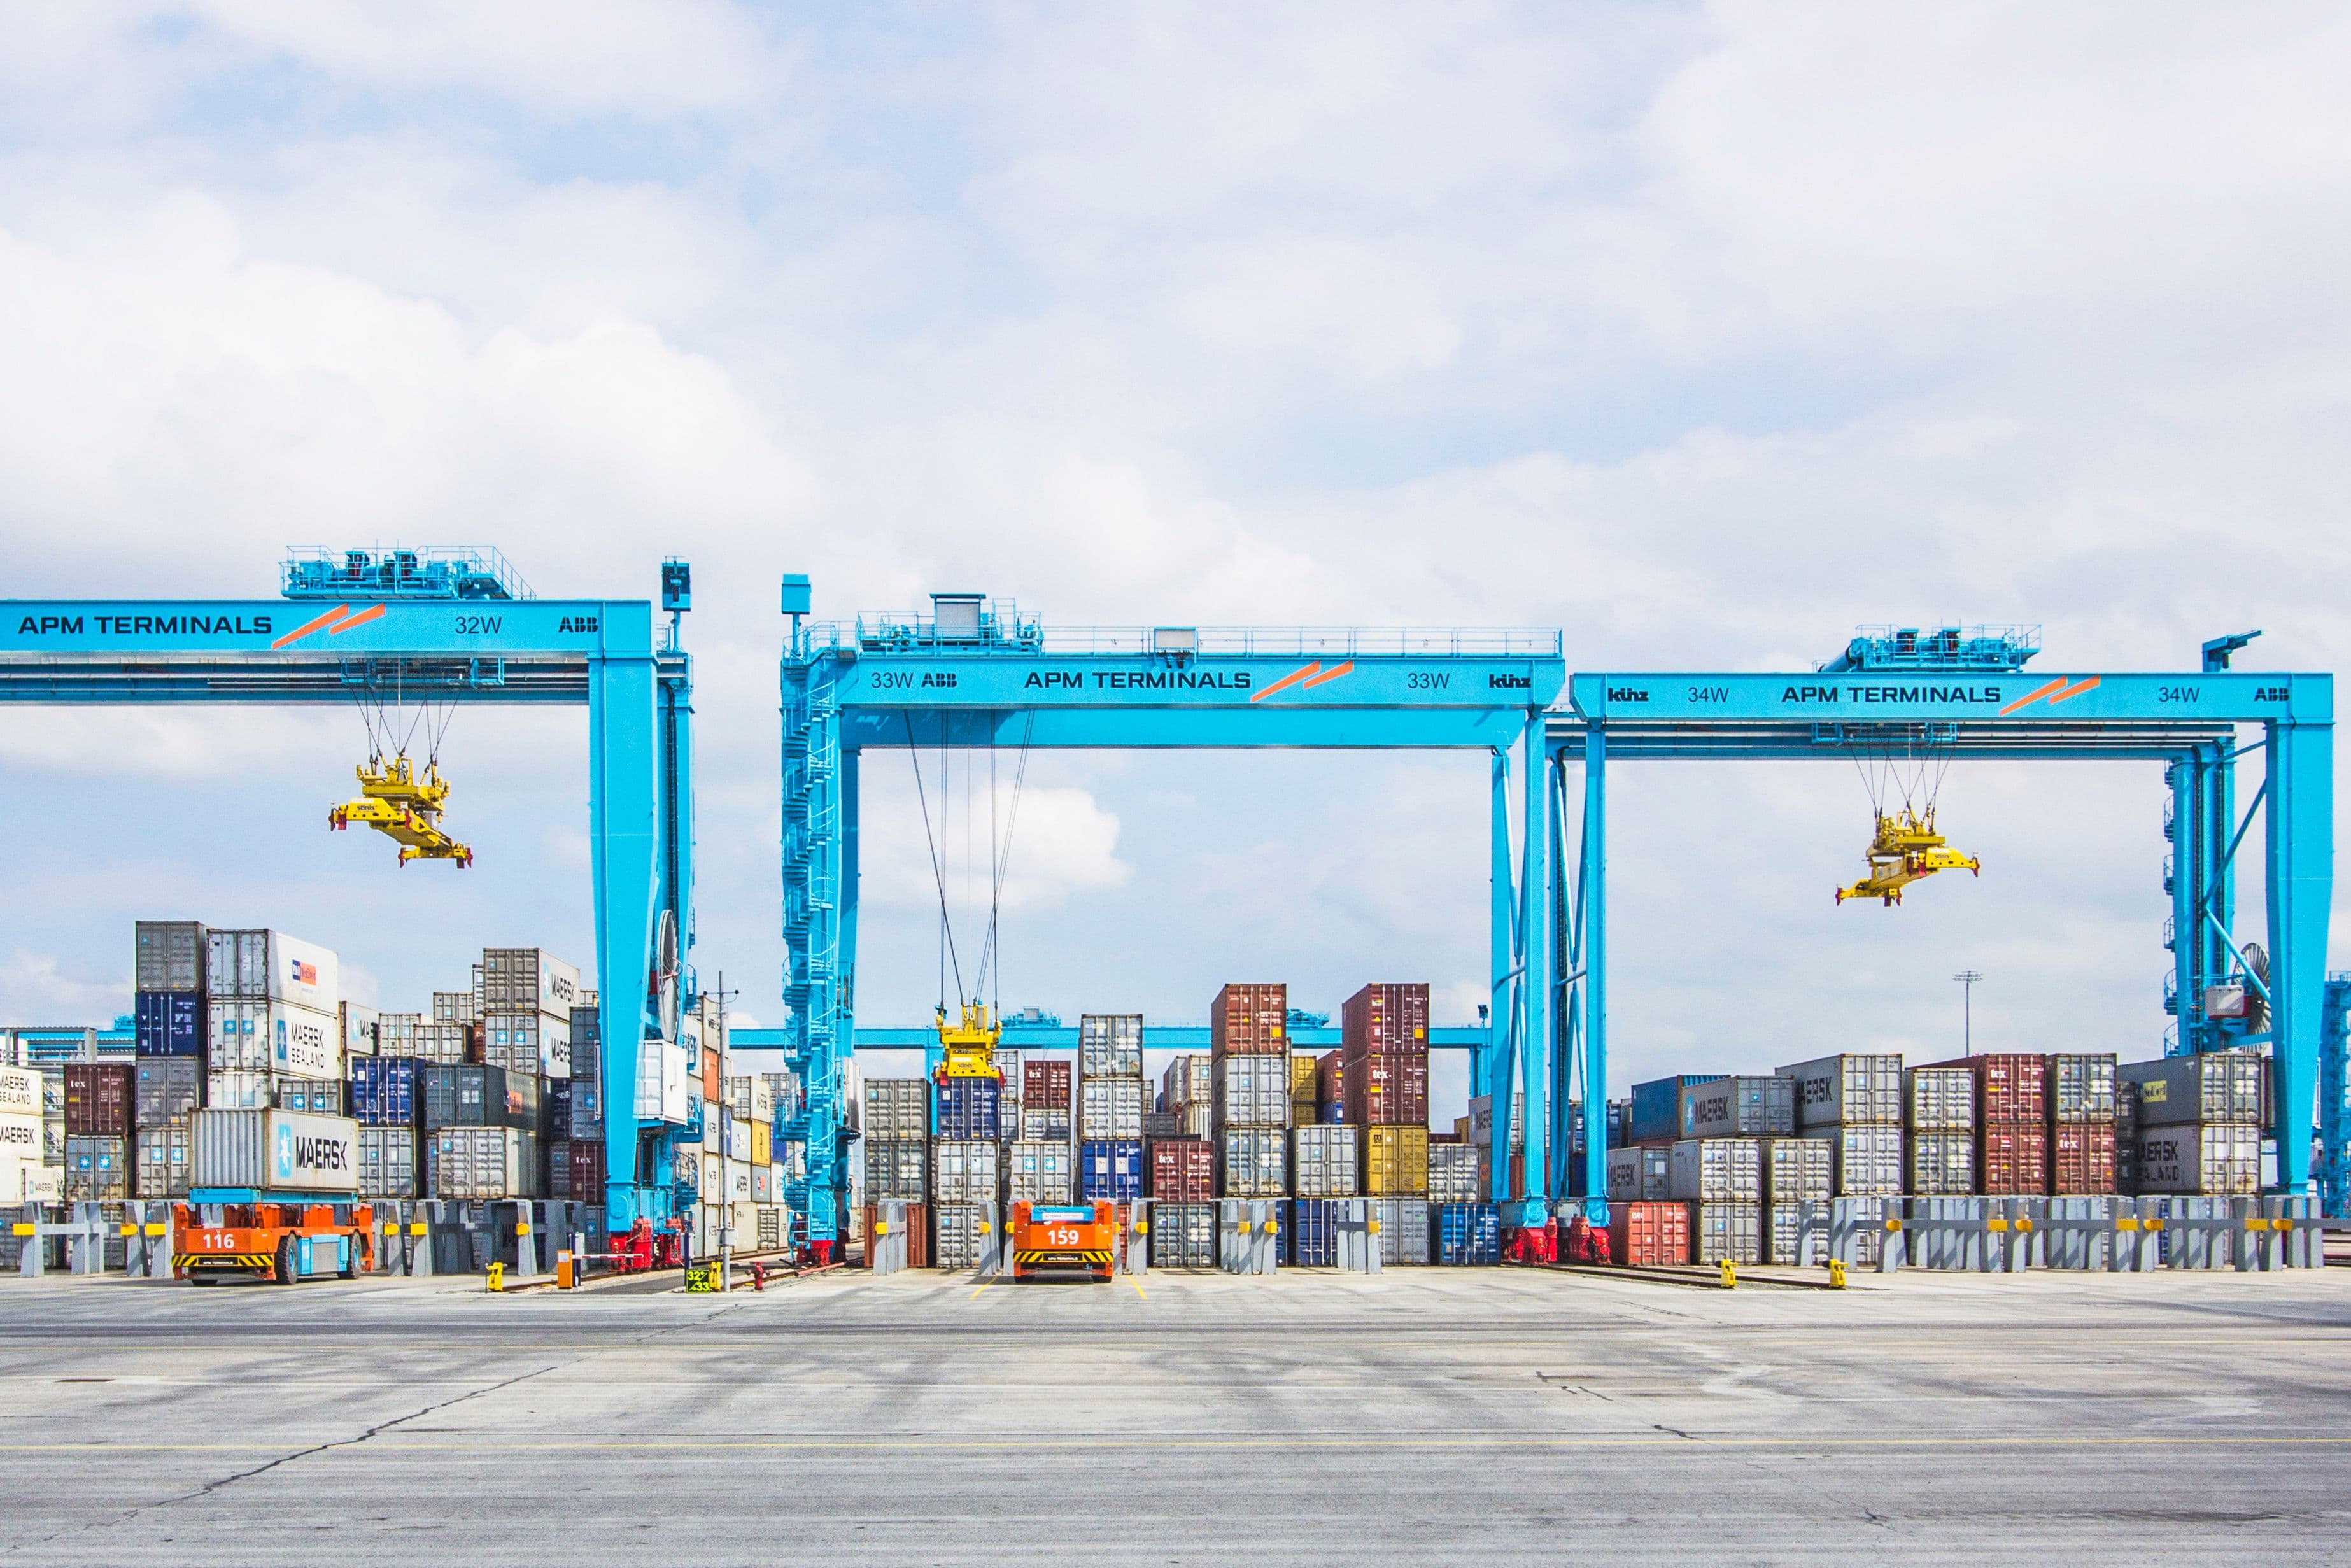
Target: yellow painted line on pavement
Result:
[[1138, 1287]]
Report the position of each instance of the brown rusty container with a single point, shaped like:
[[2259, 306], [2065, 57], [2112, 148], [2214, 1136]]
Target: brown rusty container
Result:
[[1385, 1019], [1045, 1086], [1330, 1081], [2013, 1159], [918, 1234], [1184, 1170], [2011, 1088], [97, 1099], [2082, 1159], [1251, 1019], [1647, 1235], [1386, 1089]]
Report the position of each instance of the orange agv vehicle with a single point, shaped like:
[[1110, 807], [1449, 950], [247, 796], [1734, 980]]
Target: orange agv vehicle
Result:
[[1064, 1238], [278, 1242]]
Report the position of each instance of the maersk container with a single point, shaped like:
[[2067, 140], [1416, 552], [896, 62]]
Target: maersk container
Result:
[[971, 1110], [362, 1030], [21, 1092], [2082, 1086], [963, 1172], [1452, 1173], [1110, 1169], [528, 979], [1182, 1235], [1252, 1091], [274, 1150], [1743, 1106], [167, 1090], [1867, 1160], [1110, 1108], [1852, 1088], [1110, 1045], [1403, 1229], [162, 1165], [1656, 1106], [1798, 1170], [1466, 1233], [1728, 1232], [897, 1170], [388, 1163], [537, 1044], [168, 1023], [244, 1035], [1038, 1173], [1941, 1100], [1323, 1162], [1718, 1170], [1641, 1175], [2217, 1159], [168, 955], [2213, 1086], [269, 965]]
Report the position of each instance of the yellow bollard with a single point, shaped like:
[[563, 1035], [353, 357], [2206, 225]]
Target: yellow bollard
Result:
[[1836, 1273], [495, 1278], [1730, 1276]]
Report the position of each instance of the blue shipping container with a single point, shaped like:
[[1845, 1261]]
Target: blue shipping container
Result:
[[1467, 1233], [1110, 1169], [1657, 1110], [168, 1023], [1314, 1232], [971, 1110], [383, 1091]]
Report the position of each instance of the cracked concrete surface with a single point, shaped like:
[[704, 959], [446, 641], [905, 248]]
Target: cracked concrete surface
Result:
[[1426, 1416]]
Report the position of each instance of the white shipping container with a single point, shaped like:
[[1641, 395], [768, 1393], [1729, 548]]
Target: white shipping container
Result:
[[1868, 1160], [274, 1150], [527, 1042], [1252, 1091], [2217, 1159], [1716, 1171], [1856, 1088], [20, 1139], [20, 1092], [360, 1031], [1044, 1126], [241, 1091], [29, 1181], [1323, 1160], [1453, 1173], [1109, 1108], [1797, 1170], [1254, 1161], [269, 965], [963, 1173], [249, 1036], [387, 1161], [663, 1087], [1040, 1172]]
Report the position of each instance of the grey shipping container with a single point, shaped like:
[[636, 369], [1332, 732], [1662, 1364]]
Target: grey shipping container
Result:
[[1728, 1232], [1322, 1159], [896, 1169], [1743, 1106], [1452, 1172], [528, 979], [1252, 1091], [2213, 1159], [168, 955], [1785, 1241], [1403, 1229], [1044, 1124], [1038, 1172], [444, 1044], [1868, 1161], [1797, 1170], [167, 1090], [527, 1042], [958, 1231], [2216, 1086], [1182, 1235], [2081, 1086], [274, 1150], [1941, 1100], [1715, 1170], [163, 1163], [1641, 1175], [963, 1172], [1110, 1108], [897, 1109], [1854, 1088], [1942, 1164], [479, 1163], [388, 1162], [1110, 1045], [97, 1170], [1252, 1162]]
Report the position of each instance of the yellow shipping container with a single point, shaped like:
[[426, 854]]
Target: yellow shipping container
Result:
[[763, 1139], [1396, 1161], [1301, 1075]]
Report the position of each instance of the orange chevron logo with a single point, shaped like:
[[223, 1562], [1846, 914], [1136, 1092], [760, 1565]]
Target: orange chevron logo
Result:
[[341, 618], [2056, 691], [1306, 678]]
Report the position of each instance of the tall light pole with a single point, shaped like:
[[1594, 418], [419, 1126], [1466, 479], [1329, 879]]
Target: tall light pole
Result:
[[1967, 979]]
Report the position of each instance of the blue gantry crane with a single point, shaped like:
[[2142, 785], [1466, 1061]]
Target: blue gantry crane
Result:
[[457, 626]]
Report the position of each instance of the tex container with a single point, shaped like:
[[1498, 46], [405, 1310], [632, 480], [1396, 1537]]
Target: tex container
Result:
[[529, 980], [1323, 1162], [274, 1150], [1110, 1108], [1394, 1162], [587, 1157], [166, 1090], [168, 955], [958, 1235], [1110, 1045], [1715, 1170], [1039, 1172], [1797, 1170], [2213, 1086], [1251, 1019], [484, 1162], [1253, 1162], [1941, 1164], [387, 1157], [971, 1110], [897, 1110], [161, 1166], [1785, 1241], [1640, 1174], [1727, 1232], [383, 1091], [98, 1100], [1859, 1088], [1044, 1124], [1403, 1229], [1656, 1106], [1183, 1170], [2013, 1159], [1252, 1091], [527, 1042], [1452, 1173], [1941, 1100], [1182, 1235], [1744, 1107], [963, 1172], [2081, 1087], [1109, 1170], [97, 1170], [255, 1035], [1466, 1233], [269, 965], [1045, 1086], [1385, 1089], [1865, 1161], [1648, 1235], [168, 1023], [2082, 1159], [2011, 1088], [2221, 1159], [1385, 1019]]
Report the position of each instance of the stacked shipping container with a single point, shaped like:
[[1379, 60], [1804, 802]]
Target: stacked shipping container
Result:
[[1248, 1037], [1383, 1083], [2199, 1122], [1110, 1107]]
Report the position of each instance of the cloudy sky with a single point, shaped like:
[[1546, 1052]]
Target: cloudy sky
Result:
[[1703, 332]]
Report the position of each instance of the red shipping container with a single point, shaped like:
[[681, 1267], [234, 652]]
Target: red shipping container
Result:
[[1045, 1086], [2082, 1159], [1382, 1019], [1184, 1170], [1330, 1082], [1388, 1091], [2012, 1161], [97, 1099], [2010, 1089], [1250, 1020], [587, 1160], [1649, 1234], [918, 1235]]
